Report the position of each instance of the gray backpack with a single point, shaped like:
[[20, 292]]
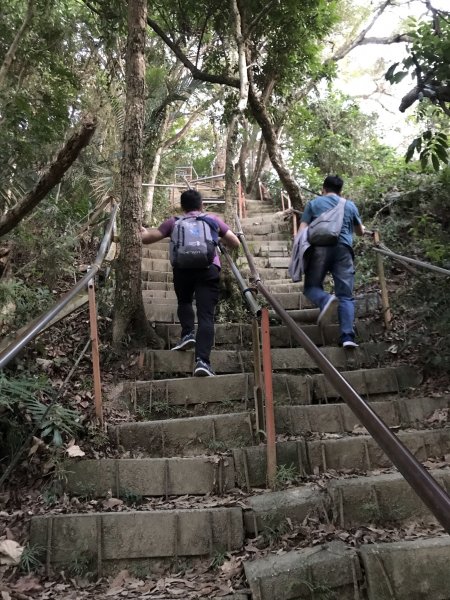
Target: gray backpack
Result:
[[325, 230], [193, 242]]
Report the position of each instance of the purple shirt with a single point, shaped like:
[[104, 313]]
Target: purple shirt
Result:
[[167, 226]]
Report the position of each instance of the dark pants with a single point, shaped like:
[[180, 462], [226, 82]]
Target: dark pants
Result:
[[204, 284], [337, 260]]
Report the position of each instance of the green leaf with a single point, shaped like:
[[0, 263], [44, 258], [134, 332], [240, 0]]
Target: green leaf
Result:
[[442, 153], [399, 76], [436, 162], [390, 72], [411, 149]]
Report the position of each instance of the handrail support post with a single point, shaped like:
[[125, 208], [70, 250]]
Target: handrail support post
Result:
[[258, 380], [95, 353], [270, 413], [387, 314]]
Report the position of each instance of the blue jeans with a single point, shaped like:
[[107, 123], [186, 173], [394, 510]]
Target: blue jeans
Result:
[[337, 260]]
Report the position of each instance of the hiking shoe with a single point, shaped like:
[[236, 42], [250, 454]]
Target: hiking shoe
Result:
[[186, 342], [327, 311], [203, 369], [350, 344]]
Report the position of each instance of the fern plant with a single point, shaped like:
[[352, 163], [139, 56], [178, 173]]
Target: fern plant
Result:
[[19, 403]]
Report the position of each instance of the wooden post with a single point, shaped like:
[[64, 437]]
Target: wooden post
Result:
[[95, 353], [282, 201], [258, 381], [261, 195], [239, 200], [294, 224], [270, 415], [387, 315]]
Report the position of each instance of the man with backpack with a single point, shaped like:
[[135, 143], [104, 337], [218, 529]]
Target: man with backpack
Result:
[[331, 252], [196, 271]]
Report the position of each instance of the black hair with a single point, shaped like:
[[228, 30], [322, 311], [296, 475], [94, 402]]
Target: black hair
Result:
[[333, 183], [191, 200]]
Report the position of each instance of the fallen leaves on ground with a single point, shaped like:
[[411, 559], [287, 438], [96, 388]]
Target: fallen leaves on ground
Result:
[[10, 552]]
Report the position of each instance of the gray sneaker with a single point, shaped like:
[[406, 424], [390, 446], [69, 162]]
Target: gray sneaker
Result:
[[186, 343], [328, 311]]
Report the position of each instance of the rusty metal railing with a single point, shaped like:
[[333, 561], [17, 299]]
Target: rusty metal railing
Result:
[[428, 490], [39, 324]]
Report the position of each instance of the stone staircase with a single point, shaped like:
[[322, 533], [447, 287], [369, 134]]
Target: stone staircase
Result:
[[192, 445]]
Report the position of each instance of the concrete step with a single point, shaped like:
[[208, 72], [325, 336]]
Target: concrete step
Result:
[[283, 286], [167, 312], [262, 218], [195, 436], [358, 453], [365, 306], [263, 247], [186, 437], [150, 476], [149, 251], [385, 499], [166, 362], [165, 395], [280, 249], [337, 418], [152, 295], [158, 276], [163, 264], [117, 540], [153, 275], [240, 334], [289, 301], [262, 262], [272, 227], [253, 236], [407, 570]]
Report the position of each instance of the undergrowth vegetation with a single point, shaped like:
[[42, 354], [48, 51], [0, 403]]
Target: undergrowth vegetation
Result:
[[27, 408]]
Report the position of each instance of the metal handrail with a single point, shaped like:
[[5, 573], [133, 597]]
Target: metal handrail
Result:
[[208, 178], [39, 324], [413, 261], [246, 291], [428, 490]]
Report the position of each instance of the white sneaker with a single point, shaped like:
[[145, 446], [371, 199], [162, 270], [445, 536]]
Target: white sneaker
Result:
[[327, 311], [350, 344]]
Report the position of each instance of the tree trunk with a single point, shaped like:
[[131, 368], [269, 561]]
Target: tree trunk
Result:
[[51, 177], [129, 313], [261, 158], [243, 159], [11, 54], [148, 205], [260, 113], [230, 194]]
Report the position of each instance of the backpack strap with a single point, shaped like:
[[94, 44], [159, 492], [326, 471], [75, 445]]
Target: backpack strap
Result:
[[212, 223]]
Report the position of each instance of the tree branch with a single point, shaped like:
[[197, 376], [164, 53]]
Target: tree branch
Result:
[[346, 48], [259, 16], [11, 54], [393, 39], [196, 72], [437, 93], [243, 75], [51, 177], [184, 130]]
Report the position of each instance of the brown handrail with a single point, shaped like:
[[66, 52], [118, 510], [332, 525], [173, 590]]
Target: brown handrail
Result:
[[39, 324], [428, 490]]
